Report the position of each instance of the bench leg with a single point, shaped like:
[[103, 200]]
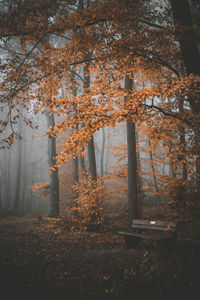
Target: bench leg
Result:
[[131, 241]]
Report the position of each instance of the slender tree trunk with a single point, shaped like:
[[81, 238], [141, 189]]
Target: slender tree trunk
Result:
[[172, 172], [1, 203], [18, 176], [19, 170], [82, 161], [54, 180], [154, 178], [92, 160], [91, 151], [102, 151], [24, 175], [133, 207], [94, 215], [8, 204], [75, 173], [182, 140], [140, 204], [76, 159], [75, 181]]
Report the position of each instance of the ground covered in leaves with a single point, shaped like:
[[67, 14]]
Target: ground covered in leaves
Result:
[[43, 259]]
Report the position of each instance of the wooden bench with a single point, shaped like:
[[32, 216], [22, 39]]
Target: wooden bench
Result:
[[148, 229]]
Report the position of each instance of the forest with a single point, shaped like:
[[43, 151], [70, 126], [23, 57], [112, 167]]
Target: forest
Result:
[[99, 128]]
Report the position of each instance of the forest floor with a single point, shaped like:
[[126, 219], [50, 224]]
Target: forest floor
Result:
[[42, 259]]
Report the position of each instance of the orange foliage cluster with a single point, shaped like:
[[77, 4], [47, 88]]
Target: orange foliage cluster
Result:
[[113, 38], [88, 205]]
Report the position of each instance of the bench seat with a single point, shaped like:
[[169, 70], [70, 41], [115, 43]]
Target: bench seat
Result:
[[148, 229], [145, 236]]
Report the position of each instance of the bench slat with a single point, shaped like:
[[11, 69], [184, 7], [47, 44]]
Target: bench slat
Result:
[[153, 227], [153, 222], [138, 221], [146, 236], [190, 242]]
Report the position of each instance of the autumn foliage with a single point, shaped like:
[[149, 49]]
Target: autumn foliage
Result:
[[113, 39]]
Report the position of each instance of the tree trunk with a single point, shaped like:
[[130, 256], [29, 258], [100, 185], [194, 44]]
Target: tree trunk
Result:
[[91, 151], [1, 203], [190, 55], [54, 180], [102, 151], [92, 160], [172, 172], [155, 179], [82, 161], [182, 141], [139, 168], [133, 207], [24, 174], [189, 48], [8, 173], [18, 176], [19, 170]]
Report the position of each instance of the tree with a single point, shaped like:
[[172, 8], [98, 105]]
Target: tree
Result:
[[112, 35]]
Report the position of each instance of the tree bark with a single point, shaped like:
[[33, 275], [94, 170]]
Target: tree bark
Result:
[[82, 161], [182, 141], [172, 172], [139, 177], [8, 173], [190, 55], [189, 48], [18, 175], [154, 178], [91, 151], [18, 171], [54, 180], [133, 207], [102, 151]]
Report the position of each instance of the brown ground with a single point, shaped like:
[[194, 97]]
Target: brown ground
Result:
[[41, 259]]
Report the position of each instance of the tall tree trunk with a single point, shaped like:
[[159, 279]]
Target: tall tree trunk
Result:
[[8, 173], [133, 207], [82, 161], [94, 215], [92, 160], [24, 174], [91, 151], [18, 176], [182, 141], [1, 202], [155, 179], [18, 170], [75, 181], [172, 172], [102, 151], [54, 180], [190, 55], [189, 48], [139, 167]]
